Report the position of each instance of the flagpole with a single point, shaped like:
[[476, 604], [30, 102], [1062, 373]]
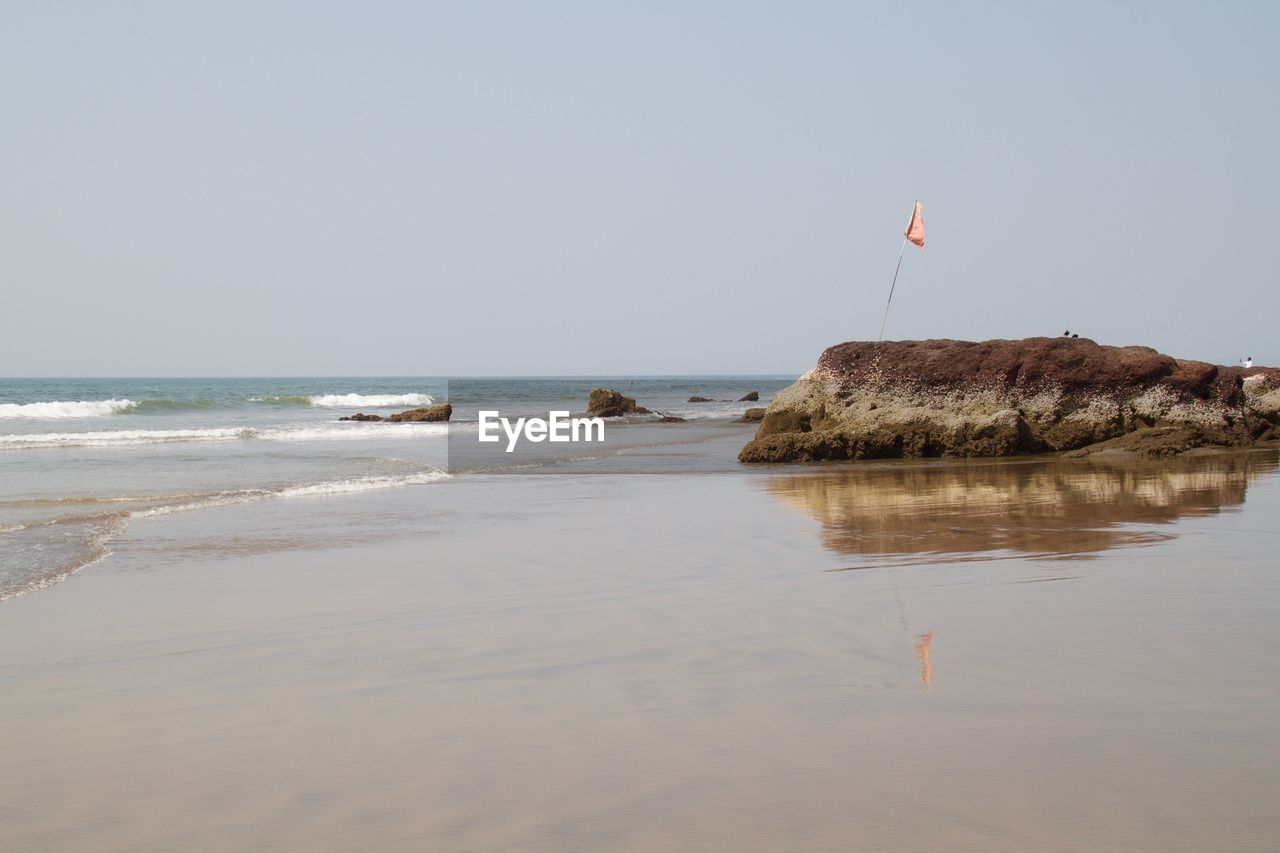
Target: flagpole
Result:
[[891, 287]]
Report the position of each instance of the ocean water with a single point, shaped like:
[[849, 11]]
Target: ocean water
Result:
[[81, 458]]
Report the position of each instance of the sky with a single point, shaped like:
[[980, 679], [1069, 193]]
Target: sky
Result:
[[409, 189]]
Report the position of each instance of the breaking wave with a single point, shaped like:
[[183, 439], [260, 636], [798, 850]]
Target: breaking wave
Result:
[[371, 400], [55, 409], [344, 401], [136, 437], [67, 409]]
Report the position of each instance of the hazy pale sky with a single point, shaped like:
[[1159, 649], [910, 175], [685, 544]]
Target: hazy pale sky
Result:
[[310, 188]]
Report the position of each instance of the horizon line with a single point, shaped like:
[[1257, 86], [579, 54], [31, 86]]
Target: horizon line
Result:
[[428, 376]]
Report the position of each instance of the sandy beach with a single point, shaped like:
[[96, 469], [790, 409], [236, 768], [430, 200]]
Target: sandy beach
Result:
[[601, 660]]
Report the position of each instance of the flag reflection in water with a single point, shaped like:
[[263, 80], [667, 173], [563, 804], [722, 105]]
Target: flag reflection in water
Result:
[[926, 666]]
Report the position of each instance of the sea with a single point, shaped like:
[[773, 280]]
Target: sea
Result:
[[82, 458]]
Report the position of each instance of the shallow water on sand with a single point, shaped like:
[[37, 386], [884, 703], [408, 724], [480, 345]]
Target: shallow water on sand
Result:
[[81, 459], [615, 654]]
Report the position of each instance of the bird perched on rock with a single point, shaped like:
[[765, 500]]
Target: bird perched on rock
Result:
[[1067, 333], [1075, 336]]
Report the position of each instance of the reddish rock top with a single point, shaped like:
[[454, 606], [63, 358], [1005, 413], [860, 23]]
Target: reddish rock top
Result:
[[1068, 364]]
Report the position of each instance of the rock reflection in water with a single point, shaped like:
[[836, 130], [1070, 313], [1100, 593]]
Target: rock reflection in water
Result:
[[1041, 507]]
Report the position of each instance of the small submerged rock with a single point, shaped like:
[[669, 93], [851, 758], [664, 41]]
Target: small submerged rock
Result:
[[431, 414], [671, 419], [750, 397]]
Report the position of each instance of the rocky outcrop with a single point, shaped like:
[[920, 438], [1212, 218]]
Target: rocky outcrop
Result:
[[700, 400], [607, 403], [431, 414], [752, 416], [361, 416], [751, 397], [1002, 398], [671, 419], [1262, 396]]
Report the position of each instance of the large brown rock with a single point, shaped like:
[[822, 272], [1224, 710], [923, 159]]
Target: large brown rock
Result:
[[607, 403], [1000, 398], [431, 414]]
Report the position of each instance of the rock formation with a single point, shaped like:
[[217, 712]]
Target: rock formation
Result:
[[607, 403], [431, 414], [700, 400], [361, 416], [1262, 400], [751, 397], [752, 416], [1001, 398]]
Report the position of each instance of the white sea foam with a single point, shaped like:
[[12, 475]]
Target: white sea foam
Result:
[[709, 411], [371, 401], [331, 487], [361, 484], [92, 547], [100, 529], [67, 409], [118, 438], [346, 431], [136, 437]]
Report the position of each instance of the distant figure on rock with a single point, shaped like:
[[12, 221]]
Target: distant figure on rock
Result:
[[1075, 336], [1246, 362], [1067, 333]]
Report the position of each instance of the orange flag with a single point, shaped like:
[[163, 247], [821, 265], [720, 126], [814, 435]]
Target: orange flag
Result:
[[915, 228]]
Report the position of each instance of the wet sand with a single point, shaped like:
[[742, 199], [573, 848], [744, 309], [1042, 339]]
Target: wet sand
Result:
[[1032, 655]]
